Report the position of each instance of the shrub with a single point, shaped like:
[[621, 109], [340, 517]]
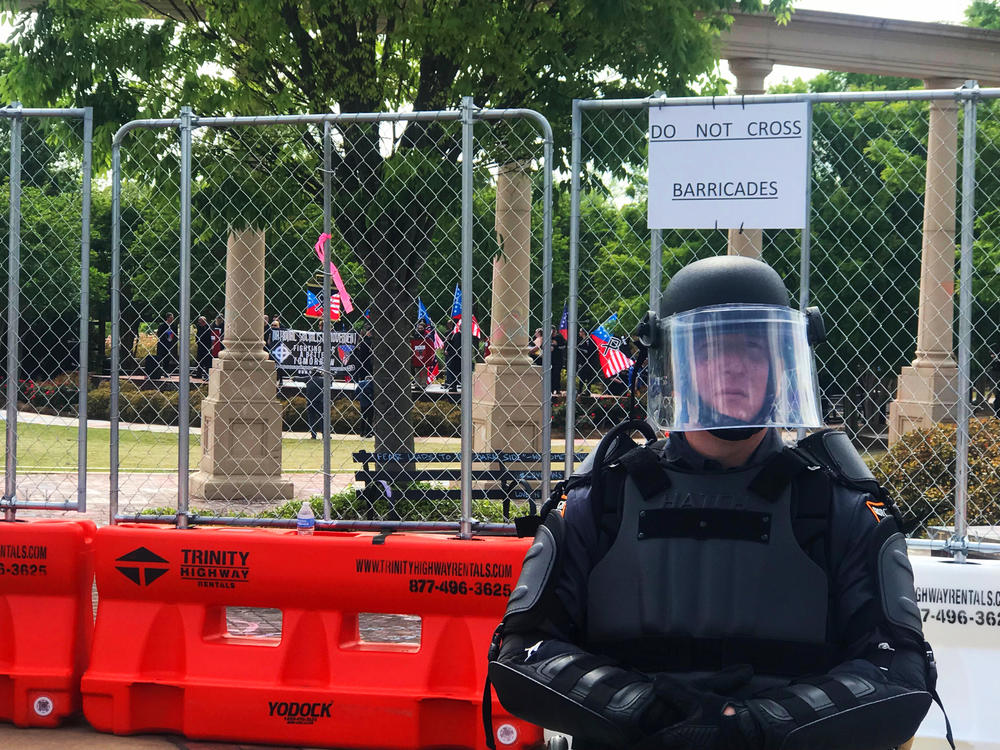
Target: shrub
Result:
[[349, 505], [195, 397], [437, 418], [148, 407], [99, 402], [62, 398], [294, 415], [344, 415], [430, 418], [919, 472], [592, 414]]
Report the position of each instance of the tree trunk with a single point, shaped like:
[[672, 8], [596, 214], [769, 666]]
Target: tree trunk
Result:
[[128, 333], [390, 316]]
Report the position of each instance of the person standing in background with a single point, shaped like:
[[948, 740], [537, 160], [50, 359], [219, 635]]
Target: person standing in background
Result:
[[203, 346], [166, 345], [218, 332]]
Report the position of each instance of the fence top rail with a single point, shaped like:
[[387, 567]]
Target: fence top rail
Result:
[[349, 118], [14, 109], [514, 113], [479, 527], [818, 98], [453, 457], [954, 545]]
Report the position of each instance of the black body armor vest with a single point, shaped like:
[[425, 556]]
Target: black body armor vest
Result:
[[705, 574]]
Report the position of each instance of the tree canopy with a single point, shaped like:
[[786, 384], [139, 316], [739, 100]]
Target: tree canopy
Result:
[[983, 14], [247, 57], [145, 59]]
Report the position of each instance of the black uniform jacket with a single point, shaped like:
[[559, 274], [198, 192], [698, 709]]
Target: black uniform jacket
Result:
[[873, 652]]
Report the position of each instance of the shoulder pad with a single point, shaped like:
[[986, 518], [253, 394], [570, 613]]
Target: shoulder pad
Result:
[[615, 444], [833, 450], [895, 578], [537, 576]]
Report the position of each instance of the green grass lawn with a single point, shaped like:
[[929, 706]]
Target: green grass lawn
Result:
[[54, 448]]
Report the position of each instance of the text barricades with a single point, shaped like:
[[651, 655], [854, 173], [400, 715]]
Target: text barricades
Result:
[[163, 658], [960, 607], [46, 618]]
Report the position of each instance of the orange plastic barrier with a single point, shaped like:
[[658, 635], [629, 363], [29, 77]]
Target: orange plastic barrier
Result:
[[164, 660], [46, 618]]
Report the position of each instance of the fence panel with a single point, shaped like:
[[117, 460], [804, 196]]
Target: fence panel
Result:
[[381, 196], [863, 263], [984, 344], [615, 281], [46, 158]]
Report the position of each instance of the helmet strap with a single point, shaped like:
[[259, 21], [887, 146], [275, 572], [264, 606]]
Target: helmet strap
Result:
[[736, 434]]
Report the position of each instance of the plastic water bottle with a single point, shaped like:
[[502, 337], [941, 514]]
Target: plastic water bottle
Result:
[[305, 521]]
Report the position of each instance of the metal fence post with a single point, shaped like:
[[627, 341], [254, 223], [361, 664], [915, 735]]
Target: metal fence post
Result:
[[574, 286], [546, 446], [468, 148], [960, 538], [13, 311], [115, 284], [327, 323], [84, 379], [655, 268], [655, 257], [184, 326], [806, 239]]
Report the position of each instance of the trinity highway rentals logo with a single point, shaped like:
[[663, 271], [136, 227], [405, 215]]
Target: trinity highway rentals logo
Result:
[[215, 568], [142, 566]]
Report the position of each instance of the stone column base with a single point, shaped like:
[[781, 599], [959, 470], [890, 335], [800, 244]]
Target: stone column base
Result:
[[506, 413], [241, 435], [925, 397], [246, 488]]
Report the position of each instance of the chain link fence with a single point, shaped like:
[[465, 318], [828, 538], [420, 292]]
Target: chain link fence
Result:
[[45, 288], [860, 262], [218, 326], [409, 221]]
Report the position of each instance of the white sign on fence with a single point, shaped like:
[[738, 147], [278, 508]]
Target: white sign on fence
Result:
[[728, 166], [960, 607]]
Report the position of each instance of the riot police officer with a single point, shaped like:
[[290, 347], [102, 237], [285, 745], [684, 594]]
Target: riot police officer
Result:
[[717, 589]]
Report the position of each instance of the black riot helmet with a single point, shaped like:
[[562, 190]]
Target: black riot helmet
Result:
[[723, 280], [728, 354]]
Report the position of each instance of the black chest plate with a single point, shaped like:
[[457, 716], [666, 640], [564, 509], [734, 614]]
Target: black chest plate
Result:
[[705, 574]]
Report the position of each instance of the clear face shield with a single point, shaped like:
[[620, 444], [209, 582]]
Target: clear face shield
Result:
[[732, 366]]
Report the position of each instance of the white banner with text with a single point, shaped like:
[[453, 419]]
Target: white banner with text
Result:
[[728, 166]]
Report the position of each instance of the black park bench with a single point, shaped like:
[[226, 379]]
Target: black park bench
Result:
[[495, 476]]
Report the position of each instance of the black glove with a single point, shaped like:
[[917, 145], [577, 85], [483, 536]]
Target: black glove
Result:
[[704, 726]]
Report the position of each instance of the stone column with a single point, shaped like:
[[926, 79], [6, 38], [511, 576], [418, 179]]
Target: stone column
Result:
[[750, 73], [927, 392], [241, 418], [505, 410]]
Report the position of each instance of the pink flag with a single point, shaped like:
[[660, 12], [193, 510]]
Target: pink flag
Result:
[[345, 298]]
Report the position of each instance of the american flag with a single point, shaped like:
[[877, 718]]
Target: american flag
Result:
[[476, 330], [564, 322], [613, 361], [432, 372], [314, 307], [456, 315]]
